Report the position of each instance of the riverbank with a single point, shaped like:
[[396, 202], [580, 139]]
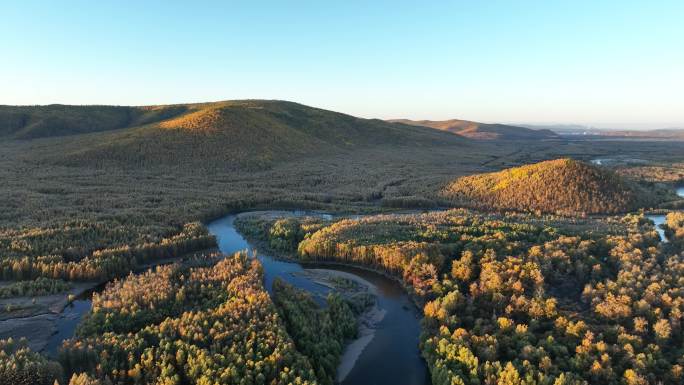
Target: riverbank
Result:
[[29, 306], [375, 345], [259, 244], [387, 347], [35, 318], [367, 321]]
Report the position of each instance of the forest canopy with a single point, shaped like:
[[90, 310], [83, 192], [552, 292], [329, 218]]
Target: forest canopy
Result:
[[208, 323], [509, 302]]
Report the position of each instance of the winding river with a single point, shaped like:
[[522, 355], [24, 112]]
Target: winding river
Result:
[[389, 355], [392, 355]]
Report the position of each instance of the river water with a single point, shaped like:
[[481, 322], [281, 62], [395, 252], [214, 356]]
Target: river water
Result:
[[391, 357]]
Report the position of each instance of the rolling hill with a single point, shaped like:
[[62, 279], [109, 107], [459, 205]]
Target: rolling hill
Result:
[[482, 131], [563, 186], [30, 122], [230, 134]]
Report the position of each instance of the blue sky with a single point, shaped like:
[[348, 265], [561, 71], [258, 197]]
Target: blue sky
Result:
[[604, 63]]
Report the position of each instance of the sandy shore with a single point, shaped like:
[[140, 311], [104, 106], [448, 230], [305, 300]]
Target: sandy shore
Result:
[[25, 307], [36, 329], [367, 321], [367, 325], [320, 275], [36, 321]]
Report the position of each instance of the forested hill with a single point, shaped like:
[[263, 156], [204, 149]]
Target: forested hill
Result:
[[29, 122], [563, 186], [230, 133], [482, 131]]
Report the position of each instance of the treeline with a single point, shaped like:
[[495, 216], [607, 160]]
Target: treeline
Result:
[[38, 287], [514, 303], [203, 325], [319, 333], [66, 263], [563, 186]]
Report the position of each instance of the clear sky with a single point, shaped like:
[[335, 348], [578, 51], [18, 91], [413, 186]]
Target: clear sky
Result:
[[605, 63]]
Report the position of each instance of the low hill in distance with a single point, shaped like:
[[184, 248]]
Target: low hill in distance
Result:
[[585, 132], [482, 131], [251, 133], [663, 134], [562, 186]]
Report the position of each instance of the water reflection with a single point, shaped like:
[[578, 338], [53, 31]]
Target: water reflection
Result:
[[67, 322]]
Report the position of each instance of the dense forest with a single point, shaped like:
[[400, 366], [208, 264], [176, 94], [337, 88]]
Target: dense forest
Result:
[[73, 253], [563, 186], [19, 365], [516, 303], [243, 134], [202, 324], [38, 287]]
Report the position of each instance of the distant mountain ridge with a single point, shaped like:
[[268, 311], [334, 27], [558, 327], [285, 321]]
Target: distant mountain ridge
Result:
[[253, 133], [586, 131], [662, 133], [482, 131]]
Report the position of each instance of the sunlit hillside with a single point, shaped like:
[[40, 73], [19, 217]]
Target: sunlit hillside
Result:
[[556, 186], [250, 133]]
